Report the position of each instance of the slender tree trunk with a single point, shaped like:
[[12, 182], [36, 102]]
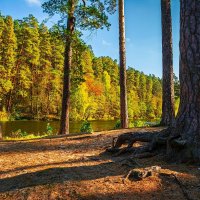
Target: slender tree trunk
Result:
[[64, 125], [188, 118], [168, 113], [122, 53]]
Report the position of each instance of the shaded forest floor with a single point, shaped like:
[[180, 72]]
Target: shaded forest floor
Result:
[[76, 168]]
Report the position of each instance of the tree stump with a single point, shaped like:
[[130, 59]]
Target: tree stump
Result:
[[141, 173]]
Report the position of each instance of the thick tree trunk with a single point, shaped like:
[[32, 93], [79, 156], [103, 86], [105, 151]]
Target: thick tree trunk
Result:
[[122, 53], [64, 125], [188, 118], [168, 113]]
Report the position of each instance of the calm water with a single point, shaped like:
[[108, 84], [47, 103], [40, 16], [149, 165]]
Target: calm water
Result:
[[39, 127]]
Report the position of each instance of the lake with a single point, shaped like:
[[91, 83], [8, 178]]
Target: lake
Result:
[[39, 127]]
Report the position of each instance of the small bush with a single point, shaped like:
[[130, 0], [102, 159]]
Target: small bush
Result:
[[86, 127], [139, 123], [49, 129], [19, 134], [117, 124]]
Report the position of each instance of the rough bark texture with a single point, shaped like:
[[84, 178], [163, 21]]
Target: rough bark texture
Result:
[[64, 126], [168, 113], [122, 53], [188, 119]]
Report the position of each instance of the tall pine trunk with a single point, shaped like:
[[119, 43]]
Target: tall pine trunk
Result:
[[188, 118], [168, 113], [122, 53], [64, 125]]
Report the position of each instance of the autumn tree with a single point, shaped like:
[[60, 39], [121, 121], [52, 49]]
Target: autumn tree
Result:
[[122, 53], [35, 92], [168, 112]]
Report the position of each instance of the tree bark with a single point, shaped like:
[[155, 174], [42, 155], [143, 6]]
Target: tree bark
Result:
[[168, 113], [122, 53], [188, 118], [64, 125]]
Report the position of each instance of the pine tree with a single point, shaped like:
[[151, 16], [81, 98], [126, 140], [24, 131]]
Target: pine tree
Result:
[[44, 69], [168, 113], [2, 70], [8, 57], [57, 62], [34, 62], [88, 16], [149, 88], [186, 135], [122, 53], [25, 82], [142, 88]]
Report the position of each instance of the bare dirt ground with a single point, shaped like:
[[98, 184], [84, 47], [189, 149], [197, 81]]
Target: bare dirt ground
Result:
[[76, 168]]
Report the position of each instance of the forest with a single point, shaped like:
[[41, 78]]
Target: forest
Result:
[[31, 79], [51, 73]]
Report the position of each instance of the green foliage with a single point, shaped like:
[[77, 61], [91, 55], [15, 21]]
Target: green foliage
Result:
[[139, 123], [86, 127], [91, 15], [19, 134], [117, 124], [49, 129], [31, 79]]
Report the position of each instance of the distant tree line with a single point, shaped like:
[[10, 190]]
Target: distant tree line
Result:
[[31, 65]]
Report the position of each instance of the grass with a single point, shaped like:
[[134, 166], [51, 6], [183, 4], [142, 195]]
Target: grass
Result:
[[27, 137]]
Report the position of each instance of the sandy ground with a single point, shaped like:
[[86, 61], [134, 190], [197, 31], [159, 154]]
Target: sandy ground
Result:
[[76, 168]]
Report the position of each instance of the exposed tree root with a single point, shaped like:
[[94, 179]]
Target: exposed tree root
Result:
[[145, 155], [166, 141], [154, 139]]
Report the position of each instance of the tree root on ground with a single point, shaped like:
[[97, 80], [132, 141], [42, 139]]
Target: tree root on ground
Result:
[[154, 138], [167, 141]]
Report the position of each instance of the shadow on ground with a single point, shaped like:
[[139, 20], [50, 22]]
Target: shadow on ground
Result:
[[59, 175]]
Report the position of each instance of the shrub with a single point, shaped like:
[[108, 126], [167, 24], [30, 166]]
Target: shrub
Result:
[[117, 124], [86, 127], [139, 123], [49, 129], [19, 134]]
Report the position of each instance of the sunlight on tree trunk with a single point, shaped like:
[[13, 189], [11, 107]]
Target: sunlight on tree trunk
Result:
[[122, 52], [168, 112], [188, 120], [64, 126]]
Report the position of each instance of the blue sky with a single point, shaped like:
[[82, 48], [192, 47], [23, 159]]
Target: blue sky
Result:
[[143, 32]]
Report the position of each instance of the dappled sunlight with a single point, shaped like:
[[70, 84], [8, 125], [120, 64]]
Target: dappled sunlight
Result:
[[78, 167]]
